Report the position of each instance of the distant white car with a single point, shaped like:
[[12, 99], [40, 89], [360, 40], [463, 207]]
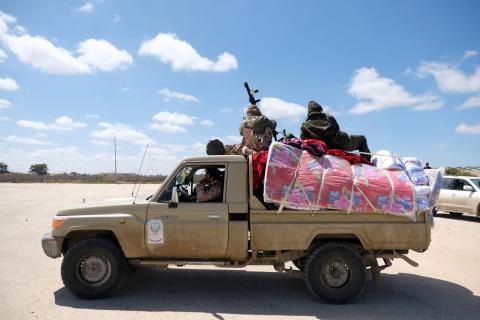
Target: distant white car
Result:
[[459, 195]]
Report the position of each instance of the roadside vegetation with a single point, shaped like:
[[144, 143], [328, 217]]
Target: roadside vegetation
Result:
[[471, 172], [39, 173]]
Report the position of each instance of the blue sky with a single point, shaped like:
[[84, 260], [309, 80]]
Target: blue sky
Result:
[[74, 74]]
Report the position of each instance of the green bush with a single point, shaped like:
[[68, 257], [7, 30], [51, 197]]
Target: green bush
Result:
[[457, 172]]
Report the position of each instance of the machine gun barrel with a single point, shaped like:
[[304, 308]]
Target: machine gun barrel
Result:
[[251, 94]]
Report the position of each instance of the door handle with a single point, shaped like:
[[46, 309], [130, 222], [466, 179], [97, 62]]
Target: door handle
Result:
[[213, 216]]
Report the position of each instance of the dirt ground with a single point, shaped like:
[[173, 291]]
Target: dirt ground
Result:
[[446, 285]]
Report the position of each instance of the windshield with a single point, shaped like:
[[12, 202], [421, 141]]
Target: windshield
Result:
[[476, 182]]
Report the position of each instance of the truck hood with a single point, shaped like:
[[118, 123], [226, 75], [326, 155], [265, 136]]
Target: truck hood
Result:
[[116, 205]]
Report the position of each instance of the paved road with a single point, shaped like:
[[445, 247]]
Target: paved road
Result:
[[446, 285]]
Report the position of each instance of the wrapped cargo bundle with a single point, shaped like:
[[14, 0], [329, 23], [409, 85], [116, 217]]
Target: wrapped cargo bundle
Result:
[[296, 179], [435, 177], [415, 171], [385, 191], [282, 165]]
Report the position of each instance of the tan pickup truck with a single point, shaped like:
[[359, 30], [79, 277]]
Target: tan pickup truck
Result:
[[331, 250]]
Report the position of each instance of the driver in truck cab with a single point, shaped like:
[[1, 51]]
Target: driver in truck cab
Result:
[[210, 188]]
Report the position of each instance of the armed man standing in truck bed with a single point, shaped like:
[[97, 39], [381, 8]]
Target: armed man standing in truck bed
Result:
[[323, 126]]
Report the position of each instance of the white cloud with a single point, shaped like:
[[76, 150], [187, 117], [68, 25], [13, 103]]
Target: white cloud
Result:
[[102, 55], [92, 116], [442, 145], [42, 54], [70, 158], [122, 132], [3, 118], [278, 109], [168, 95], [199, 147], [55, 153], [164, 149], [183, 57], [24, 140], [5, 19], [329, 110], [116, 18], [4, 104], [88, 7], [471, 102], [92, 54], [207, 123], [469, 54], [174, 117], [63, 123], [167, 127], [172, 122], [19, 30], [101, 142], [449, 78], [8, 84], [464, 128], [3, 56], [377, 93], [232, 139]]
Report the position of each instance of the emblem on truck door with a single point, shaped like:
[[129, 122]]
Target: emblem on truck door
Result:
[[155, 231]]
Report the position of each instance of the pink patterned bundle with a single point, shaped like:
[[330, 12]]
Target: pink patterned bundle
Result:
[[296, 179]]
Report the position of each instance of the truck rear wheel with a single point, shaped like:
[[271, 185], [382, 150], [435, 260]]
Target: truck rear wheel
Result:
[[93, 268], [335, 273]]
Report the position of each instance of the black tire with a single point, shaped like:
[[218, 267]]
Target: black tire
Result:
[[335, 273], [93, 268], [299, 263], [456, 214]]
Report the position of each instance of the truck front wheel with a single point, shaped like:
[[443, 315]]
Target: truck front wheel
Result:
[[335, 273], [93, 268]]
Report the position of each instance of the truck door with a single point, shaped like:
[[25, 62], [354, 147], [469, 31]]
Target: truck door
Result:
[[445, 196], [460, 196], [192, 228]]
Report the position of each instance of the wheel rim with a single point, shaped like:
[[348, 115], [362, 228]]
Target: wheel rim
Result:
[[335, 273], [94, 270]]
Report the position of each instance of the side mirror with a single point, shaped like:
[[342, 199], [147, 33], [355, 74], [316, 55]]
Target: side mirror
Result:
[[468, 188], [173, 203]]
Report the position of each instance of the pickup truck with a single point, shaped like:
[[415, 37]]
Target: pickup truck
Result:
[[332, 250]]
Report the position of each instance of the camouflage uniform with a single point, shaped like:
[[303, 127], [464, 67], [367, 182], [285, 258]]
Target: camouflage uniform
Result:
[[210, 188], [323, 126], [209, 191], [257, 133], [238, 149]]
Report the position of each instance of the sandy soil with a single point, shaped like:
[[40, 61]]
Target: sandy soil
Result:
[[446, 285]]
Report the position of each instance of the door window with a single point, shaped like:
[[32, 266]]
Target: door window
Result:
[[447, 183], [458, 184], [203, 183], [475, 182]]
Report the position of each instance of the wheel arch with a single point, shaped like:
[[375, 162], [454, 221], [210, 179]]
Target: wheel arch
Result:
[[346, 238], [74, 237]]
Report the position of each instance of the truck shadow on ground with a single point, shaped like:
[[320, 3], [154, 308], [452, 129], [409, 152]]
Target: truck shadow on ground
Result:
[[464, 217], [244, 292]]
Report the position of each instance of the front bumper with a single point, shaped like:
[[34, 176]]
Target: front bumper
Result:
[[52, 246]]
